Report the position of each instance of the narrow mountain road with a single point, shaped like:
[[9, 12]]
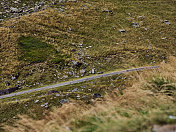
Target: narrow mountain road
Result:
[[77, 81]]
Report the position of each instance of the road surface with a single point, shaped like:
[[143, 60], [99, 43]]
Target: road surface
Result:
[[77, 81]]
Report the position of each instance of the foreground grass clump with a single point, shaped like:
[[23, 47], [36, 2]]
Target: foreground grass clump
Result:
[[162, 85], [112, 120], [34, 51]]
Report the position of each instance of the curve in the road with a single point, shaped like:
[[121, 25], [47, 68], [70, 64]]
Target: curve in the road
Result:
[[77, 81]]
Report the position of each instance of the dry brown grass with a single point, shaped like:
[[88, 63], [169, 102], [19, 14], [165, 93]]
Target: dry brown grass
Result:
[[8, 61], [165, 128]]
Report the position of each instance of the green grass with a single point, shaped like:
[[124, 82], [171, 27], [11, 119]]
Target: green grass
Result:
[[35, 51]]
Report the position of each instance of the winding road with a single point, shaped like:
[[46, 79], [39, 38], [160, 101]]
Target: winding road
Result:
[[77, 81]]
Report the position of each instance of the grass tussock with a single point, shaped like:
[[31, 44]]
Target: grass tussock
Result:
[[138, 109], [161, 84]]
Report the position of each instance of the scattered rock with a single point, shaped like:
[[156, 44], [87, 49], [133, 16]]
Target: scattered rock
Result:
[[83, 71], [54, 3], [96, 95], [36, 101], [122, 30], [61, 10], [163, 38], [52, 91], [67, 128], [93, 71], [166, 22], [135, 24], [73, 50], [100, 72], [63, 101], [84, 86], [78, 96], [146, 29], [45, 105], [164, 128], [61, 1], [57, 95], [65, 76], [13, 9], [75, 90], [172, 117], [90, 89], [69, 28], [14, 77], [76, 63], [108, 11]]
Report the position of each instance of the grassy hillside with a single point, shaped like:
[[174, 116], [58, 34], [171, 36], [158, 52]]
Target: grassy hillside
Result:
[[86, 35], [72, 39]]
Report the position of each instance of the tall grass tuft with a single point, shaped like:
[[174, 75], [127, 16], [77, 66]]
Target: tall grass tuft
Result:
[[162, 85]]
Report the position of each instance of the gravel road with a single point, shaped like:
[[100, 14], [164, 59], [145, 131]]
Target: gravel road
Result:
[[77, 81]]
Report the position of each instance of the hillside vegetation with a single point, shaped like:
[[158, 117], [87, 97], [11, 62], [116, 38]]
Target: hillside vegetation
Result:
[[68, 39], [85, 35]]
